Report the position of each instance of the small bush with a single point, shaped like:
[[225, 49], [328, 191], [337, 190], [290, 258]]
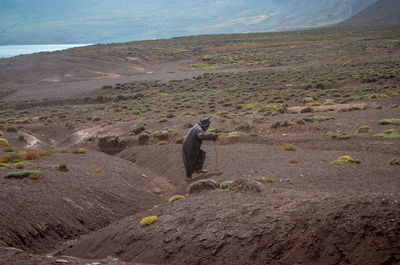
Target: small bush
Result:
[[246, 185], [289, 147], [148, 220], [224, 185], [64, 151], [63, 167], [137, 128], [31, 155], [390, 133], [345, 159], [268, 180], [8, 150], [204, 184], [10, 158], [32, 174], [98, 170], [46, 152], [79, 151], [329, 102], [389, 121], [162, 142], [363, 129], [175, 198], [3, 142], [89, 139]]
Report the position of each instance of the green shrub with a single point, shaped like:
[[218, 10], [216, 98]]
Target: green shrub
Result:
[[32, 174], [389, 121], [204, 184], [137, 128], [344, 159], [289, 147], [390, 133], [226, 184]]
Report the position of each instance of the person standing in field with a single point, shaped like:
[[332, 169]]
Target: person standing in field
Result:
[[193, 156]]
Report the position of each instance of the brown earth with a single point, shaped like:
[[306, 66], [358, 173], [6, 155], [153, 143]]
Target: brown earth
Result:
[[313, 213]]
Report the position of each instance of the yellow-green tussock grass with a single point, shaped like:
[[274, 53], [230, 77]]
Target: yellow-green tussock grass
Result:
[[344, 159], [390, 133], [268, 180], [148, 220], [176, 197], [46, 152], [289, 147], [98, 170], [363, 129], [225, 184], [32, 174], [1, 133], [241, 185], [162, 142], [389, 122], [231, 134], [204, 184], [3, 142]]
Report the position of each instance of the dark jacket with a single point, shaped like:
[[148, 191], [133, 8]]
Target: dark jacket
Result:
[[193, 156]]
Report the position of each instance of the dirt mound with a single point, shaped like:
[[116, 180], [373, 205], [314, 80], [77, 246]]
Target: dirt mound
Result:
[[111, 145], [281, 227], [39, 214], [246, 185]]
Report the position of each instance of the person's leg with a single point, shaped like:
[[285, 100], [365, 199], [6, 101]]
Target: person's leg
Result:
[[200, 161]]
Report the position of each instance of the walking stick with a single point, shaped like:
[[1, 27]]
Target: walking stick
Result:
[[216, 155]]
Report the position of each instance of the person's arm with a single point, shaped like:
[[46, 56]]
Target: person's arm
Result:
[[200, 134]]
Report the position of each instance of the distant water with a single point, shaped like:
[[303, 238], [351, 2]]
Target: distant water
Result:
[[7, 51]]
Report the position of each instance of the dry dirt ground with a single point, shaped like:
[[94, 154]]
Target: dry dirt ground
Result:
[[310, 212]]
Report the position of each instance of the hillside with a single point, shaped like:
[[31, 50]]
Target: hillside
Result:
[[380, 12], [305, 169], [101, 21]]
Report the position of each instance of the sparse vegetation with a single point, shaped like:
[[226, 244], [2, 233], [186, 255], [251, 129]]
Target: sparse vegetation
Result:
[[31, 155], [389, 122], [175, 198], [137, 128], [3, 142], [79, 151], [390, 133], [394, 161], [98, 170], [148, 220], [289, 147], [345, 159], [31, 174], [204, 184], [246, 185]]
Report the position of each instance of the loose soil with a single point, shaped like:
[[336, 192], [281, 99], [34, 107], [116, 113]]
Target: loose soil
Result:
[[311, 211]]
